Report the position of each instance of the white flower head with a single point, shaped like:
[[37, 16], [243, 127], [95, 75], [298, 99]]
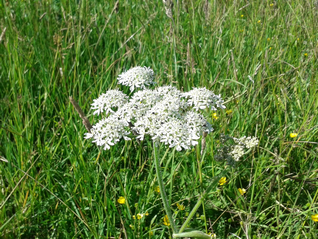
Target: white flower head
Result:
[[175, 133], [137, 77], [109, 131], [111, 99], [201, 98], [164, 114], [230, 151], [249, 142], [197, 124]]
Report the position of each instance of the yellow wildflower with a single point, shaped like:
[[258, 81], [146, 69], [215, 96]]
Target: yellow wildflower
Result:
[[134, 217], [272, 4], [166, 221], [242, 15], [242, 191], [147, 214], [229, 112], [213, 235], [222, 181], [314, 217], [121, 200], [180, 207], [139, 216], [157, 189], [214, 115], [259, 21], [306, 54], [268, 39], [293, 135]]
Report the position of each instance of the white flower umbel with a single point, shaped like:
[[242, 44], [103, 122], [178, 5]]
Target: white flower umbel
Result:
[[109, 131], [137, 77], [106, 102], [175, 134], [235, 151], [201, 98], [249, 141], [142, 101], [197, 124], [165, 114]]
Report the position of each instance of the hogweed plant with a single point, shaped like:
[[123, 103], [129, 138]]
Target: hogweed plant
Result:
[[164, 115]]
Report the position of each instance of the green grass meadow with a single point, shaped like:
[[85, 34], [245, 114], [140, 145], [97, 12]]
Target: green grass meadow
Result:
[[261, 56]]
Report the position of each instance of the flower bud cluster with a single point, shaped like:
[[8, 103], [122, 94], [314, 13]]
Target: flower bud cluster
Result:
[[233, 152], [165, 114]]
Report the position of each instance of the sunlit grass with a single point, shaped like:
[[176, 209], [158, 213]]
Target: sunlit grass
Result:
[[261, 56]]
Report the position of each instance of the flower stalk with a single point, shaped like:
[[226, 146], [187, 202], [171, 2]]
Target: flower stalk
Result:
[[162, 189]]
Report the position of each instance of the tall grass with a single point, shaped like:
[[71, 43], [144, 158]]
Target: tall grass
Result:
[[261, 56]]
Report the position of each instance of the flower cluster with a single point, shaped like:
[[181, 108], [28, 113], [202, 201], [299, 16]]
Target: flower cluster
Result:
[[201, 98], [137, 77], [233, 152], [165, 114], [107, 102]]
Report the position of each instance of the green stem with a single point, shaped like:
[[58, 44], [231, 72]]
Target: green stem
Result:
[[162, 190], [191, 215], [198, 204]]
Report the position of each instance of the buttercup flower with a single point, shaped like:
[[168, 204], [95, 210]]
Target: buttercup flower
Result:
[[214, 115], [166, 221], [157, 189], [180, 207], [229, 112], [139, 216], [222, 181], [121, 200], [242, 191], [314, 217], [293, 135]]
